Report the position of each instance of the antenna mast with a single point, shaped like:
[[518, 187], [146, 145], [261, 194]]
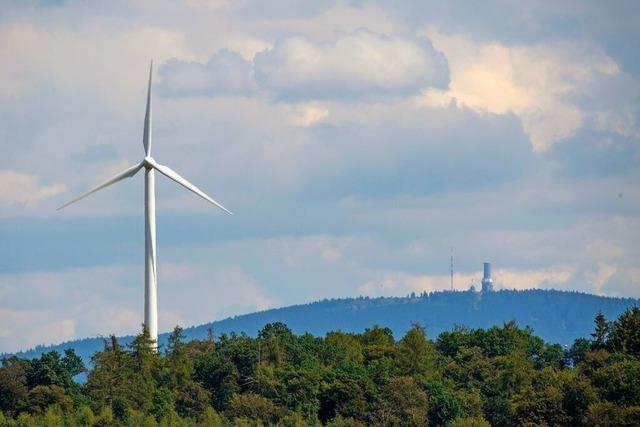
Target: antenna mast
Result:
[[452, 269]]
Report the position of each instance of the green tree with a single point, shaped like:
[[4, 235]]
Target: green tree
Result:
[[210, 418], [607, 414], [296, 388], [343, 347], [619, 382], [601, 332], [178, 364], [162, 403], [13, 384], [577, 352], [625, 332], [449, 343], [275, 339], [253, 407], [53, 417], [551, 356], [404, 404], [84, 416], [444, 406], [541, 402], [416, 356], [340, 421], [506, 376], [349, 392], [218, 376], [191, 400], [25, 420], [377, 343], [470, 422], [42, 396], [142, 372], [105, 418], [108, 377], [121, 409], [578, 395], [52, 370]]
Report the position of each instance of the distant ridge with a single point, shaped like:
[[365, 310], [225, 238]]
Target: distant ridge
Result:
[[556, 316]]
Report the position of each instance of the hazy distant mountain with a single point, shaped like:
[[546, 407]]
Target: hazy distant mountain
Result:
[[556, 316]]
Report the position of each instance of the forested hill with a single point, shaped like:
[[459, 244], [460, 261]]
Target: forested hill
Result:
[[555, 316]]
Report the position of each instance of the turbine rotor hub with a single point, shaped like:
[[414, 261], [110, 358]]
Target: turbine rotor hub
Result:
[[149, 162]]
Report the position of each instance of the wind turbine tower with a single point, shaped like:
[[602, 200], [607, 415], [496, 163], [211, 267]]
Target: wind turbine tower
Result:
[[150, 166]]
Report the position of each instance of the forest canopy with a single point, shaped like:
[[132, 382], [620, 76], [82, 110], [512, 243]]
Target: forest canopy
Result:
[[501, 376]]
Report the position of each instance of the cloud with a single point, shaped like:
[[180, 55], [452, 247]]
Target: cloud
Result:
[[52, 306], [18, 188], [406, 149], [209, 291], [594, 153], [22, 329], [226, 72], [357, 156], [356, 64], [536, 82], [553, 277], [83, 58], [401, 283]]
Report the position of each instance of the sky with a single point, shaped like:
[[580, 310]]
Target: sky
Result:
[[358, 144]]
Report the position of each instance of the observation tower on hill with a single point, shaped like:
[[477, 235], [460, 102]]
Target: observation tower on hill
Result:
[[487, 281]]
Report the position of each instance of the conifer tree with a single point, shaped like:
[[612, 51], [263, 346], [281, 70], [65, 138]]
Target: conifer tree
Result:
[[601, 331]]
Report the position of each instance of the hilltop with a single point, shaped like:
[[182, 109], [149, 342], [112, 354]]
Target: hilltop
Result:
[[556, 316]]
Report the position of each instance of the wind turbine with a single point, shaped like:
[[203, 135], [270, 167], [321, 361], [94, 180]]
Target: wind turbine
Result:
[[150, 166]]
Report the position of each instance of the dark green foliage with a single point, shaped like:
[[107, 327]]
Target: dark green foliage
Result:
[[619, 382], [403, 403], [42, 396], [347, 392], [577, 352], [13, 385], [120, 408], [219, 376], [443, 404], [625, 333], [51, 369], [578, 395], [607, 414], [254, 407], [130, 375], [601, 332], [415, 355], [162, 403], [501, 376], [541, 402], [191, 399]]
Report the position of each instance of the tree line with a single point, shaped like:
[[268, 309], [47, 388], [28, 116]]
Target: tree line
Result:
[[501, 376]]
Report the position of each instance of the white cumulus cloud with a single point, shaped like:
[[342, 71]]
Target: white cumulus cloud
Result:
[[225, 73], [18, 188], [537, 83], [357, 63]]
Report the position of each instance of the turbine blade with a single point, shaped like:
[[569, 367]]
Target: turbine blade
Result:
[[146, 136], [170, 173], [122, 175]]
